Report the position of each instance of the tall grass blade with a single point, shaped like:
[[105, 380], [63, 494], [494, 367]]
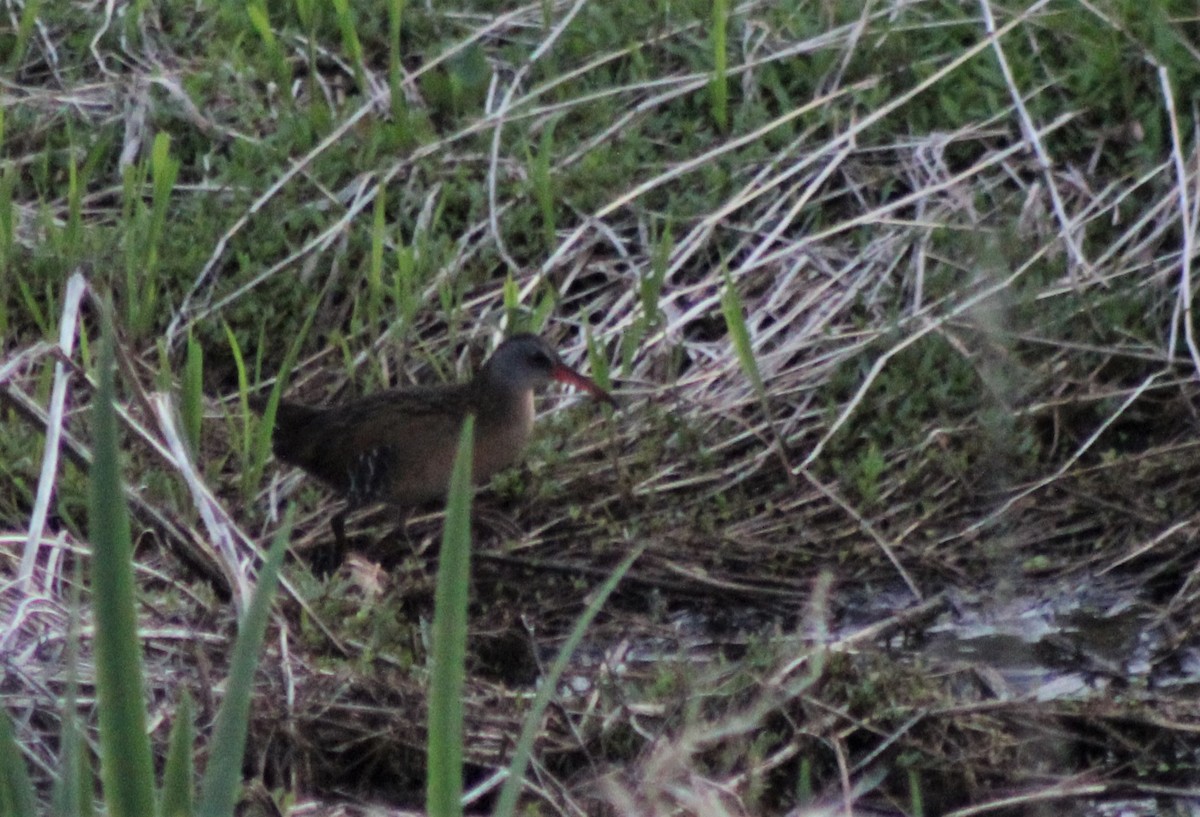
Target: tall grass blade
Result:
[[542, 181], [395, 66], [447, 678], [192, 400], [351, 43], [718, 85], [243, 382], [73, 790], [8, 178], [72, 241], [507, 803], [179, 770], [735, 322], [125, 762], [223, 777], [163, 171], [16, 790], [375, 267], [72, 793]]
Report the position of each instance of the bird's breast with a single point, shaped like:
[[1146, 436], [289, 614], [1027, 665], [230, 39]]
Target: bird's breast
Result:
[[499, 440]]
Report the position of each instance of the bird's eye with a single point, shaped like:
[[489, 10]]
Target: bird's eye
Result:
[[540, 359]]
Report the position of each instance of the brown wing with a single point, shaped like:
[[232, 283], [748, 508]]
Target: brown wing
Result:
[[393, 446]]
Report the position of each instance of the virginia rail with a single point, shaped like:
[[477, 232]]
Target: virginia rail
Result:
[[398, 446]]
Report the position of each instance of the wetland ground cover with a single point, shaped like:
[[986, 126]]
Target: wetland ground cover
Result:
[[897, 298]]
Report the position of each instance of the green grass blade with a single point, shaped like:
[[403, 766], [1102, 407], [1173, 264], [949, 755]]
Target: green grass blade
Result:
[[223, 777], [511, 294], [126, 767], [72, 234], [597, 361], [351, 44], [650, 285], [375, 267], [8, 178], [29, 17], [445, 741], [542, 182], [243, 381], [507, 803], [16, 789], [73, 789], [395, 64], [260, 21], [735, 322], [404, 285], [261, 449], [718, 84], [916, 799], [192, 400], [543, 310], [179, 769]]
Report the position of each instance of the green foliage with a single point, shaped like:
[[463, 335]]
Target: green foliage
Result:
[[192, 399], [457, 87], [735, 323], [179, 768], [448, 670], [256, 11], [125, 761], [260, 449], [145, 228], [507, 802], [250, 157], [350, 42], [223, 777], [542, 183], [869, 469], [7, 213], [16, 789], [927, 386], [718, 85], [916, 805], [73, 789], [395, 10], [375, 291], [125, 758], [651, 284], [25, 26]]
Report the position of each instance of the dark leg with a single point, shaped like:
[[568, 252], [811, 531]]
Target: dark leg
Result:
[[338, 523], [326, 560]]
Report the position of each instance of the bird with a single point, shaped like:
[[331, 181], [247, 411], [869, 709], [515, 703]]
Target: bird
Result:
[[398, 446]]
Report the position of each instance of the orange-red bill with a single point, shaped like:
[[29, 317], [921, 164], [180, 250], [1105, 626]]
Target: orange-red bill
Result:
[[565, 374]]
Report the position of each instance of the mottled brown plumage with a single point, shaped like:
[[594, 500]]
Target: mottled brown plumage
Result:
[[398, 446]]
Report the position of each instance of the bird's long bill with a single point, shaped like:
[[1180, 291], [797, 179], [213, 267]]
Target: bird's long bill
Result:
[[565, 374]]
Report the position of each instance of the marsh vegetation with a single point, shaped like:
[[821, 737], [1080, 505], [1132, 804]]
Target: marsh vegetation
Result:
[[897, 300]]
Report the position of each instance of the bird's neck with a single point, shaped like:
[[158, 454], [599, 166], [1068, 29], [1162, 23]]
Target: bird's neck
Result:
[[499, 404]]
